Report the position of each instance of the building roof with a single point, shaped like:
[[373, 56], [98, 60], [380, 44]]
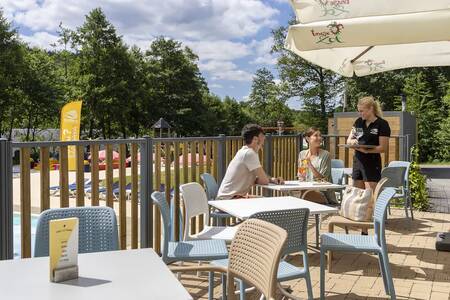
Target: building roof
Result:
[[161, 123]]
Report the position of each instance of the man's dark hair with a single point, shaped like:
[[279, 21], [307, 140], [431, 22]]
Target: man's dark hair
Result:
[[250, 131]]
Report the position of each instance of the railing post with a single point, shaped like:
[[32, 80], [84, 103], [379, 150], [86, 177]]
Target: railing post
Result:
[[6, 201], [221, 158], [299, 138], [146, 191], [268, 155]]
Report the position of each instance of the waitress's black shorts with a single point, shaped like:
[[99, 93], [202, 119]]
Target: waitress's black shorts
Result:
[[367, 168]]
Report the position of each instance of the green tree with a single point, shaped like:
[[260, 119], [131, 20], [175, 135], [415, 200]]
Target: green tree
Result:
[[104, 75], [39, 105], [11, 68], [267, 103], [175, 87], [426, 108], [443, 134], [318, 89]]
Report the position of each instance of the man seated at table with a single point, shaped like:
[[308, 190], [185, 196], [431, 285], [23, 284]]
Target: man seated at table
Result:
[[245, 169]]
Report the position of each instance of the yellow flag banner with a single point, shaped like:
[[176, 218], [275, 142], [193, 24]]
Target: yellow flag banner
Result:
[[70, 128]]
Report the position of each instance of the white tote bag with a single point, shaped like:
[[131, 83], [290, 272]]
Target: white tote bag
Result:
[[357, 204]]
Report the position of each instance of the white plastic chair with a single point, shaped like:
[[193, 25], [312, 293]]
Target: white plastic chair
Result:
[[196, 204]]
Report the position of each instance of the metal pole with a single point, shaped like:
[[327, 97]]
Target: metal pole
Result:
[[6, 201], [146, 191], [221, 158], [299, 144], [268, 155]]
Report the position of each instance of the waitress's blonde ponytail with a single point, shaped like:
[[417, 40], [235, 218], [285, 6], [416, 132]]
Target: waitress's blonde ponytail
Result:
[[369, 101]]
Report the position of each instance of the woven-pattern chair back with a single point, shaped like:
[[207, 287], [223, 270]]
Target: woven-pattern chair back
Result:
[[211, 186], [380, 214], [400, 163], [380, 186], [159, 199], [337, 163], [395, 176], [255, 254], [294, 221], [97, 229], [337, 175], [195, 204]]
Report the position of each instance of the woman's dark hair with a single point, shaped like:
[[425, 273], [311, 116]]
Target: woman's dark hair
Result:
[[310, 132], [250, 131]]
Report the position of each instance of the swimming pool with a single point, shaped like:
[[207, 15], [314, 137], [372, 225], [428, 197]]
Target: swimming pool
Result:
[[16, 228]]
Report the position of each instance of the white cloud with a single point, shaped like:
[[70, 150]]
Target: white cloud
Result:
[[219, 50], [181, 19], [262, 49], [41, 39], [215, 85], [225, 70], [217, 30]]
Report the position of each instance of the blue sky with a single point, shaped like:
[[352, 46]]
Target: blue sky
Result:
[[231, 37]]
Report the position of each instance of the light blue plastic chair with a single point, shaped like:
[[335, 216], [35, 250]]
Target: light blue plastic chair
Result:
[[198, 250], [395, 176], [337, 175], [337, 163], [295, 222], [363, 243], [97, 229], [212, 188], [407, 192]]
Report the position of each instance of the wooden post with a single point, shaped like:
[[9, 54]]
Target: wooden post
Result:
[[80, 175], [94, 175], [122, 197], [25, 203], [134, 196], [63, 177]]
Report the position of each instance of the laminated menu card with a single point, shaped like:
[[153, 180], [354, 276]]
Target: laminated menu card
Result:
[[63, 249]]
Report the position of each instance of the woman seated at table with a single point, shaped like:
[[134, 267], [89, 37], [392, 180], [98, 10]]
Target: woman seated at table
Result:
[[318, 161]]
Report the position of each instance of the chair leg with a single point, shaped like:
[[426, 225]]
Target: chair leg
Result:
[[241, 290], [383, 273], [330, 253], [322, 273], [406, 205], [346, 229], [210, 285], [387, 269], [410, 206], [224, 286], [308, 276], [389, 208]]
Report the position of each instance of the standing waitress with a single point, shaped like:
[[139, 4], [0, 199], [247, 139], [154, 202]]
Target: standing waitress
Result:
[[368, 129]]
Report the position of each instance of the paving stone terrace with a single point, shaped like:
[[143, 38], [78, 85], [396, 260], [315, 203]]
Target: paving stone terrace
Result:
[[419, 271]]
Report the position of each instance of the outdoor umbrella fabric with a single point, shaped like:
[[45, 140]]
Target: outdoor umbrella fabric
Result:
[[365, 37]]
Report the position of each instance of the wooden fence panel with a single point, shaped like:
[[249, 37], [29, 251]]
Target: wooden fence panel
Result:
[[25, 203], [45, 179], [63, 177], [94, 175], [134, 196]]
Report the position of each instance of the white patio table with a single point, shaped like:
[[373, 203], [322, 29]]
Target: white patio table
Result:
[[244, 208], [300, 186], [114, 275]]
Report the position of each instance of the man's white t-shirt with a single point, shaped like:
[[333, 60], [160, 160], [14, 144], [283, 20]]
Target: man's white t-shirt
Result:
[[240, 175]]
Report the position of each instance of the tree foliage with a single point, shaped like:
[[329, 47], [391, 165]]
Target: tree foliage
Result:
[[318, 89], [267, 102]]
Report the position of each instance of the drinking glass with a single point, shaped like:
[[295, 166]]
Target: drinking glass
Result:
[[358, 133]]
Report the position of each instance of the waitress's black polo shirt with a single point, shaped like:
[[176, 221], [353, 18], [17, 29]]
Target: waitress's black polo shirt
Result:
[[367, 166]]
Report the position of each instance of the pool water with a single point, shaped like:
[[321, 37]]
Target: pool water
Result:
[[16, 230]]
